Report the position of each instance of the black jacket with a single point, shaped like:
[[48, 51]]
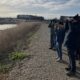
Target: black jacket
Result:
[[73, 38]]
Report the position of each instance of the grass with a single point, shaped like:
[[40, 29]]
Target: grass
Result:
[[17, 56], [13, 58], [4, 68], [13, 42]]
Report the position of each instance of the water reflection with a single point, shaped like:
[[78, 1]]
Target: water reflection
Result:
[[6, 26]]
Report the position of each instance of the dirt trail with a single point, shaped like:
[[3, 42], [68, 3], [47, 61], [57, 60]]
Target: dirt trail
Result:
[[42, 65]]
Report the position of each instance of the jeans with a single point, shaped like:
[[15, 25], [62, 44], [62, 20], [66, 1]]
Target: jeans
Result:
[[72, 59], [59, 50]]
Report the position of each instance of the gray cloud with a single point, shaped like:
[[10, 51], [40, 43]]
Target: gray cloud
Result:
[[37, 6], [58, 4]]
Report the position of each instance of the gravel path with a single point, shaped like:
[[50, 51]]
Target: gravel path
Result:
[[42, 65]]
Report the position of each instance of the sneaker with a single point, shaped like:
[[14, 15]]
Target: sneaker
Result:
[[70, 73], [59, 60], [57, 57]]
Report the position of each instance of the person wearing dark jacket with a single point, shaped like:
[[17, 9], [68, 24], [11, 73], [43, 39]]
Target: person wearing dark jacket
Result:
[[72, 43], [52, 34]]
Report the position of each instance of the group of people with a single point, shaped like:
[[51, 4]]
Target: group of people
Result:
[[67, 32]]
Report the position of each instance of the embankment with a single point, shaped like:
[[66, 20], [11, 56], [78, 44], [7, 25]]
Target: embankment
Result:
[[9, 38]]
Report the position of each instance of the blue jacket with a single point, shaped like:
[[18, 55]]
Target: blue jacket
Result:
[[60, 35]]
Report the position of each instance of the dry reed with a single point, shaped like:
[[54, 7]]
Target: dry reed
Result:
[[9, 37]]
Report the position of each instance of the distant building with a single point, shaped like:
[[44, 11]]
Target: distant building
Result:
[[63, 18], [30, 17]]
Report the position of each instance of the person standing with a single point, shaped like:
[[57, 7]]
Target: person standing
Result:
[[71, 44], [52, 34], [59, 39]]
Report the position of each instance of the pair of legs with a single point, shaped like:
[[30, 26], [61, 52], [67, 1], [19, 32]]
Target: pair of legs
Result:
[[52, 41], [72, 61], [59, 50], [78, 55]]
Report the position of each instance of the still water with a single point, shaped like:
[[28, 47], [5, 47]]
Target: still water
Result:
[[6, 26]]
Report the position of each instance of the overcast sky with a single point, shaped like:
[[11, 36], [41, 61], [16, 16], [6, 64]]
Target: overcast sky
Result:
[[46, 8]]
